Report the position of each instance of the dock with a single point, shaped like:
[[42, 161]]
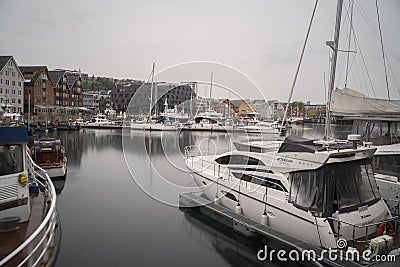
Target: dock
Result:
[[252, 229]]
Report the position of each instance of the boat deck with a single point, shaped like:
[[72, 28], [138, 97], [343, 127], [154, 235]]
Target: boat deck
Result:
[[11, 240]]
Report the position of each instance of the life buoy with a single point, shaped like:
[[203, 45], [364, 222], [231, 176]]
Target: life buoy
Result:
[[385, 226]]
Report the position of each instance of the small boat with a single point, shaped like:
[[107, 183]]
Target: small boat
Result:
[[158, 124], [79, 121], [100, 121], [263, 128], [69, 126], [49, 154], [96, 121], [29, 225]]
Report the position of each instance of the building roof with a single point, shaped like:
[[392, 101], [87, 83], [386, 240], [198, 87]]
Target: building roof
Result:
[[32, 73], [55, 75], [71, 78], [4, 60]]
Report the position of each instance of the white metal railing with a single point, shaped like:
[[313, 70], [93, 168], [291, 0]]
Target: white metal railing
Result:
[[46, 228], [365, 229]]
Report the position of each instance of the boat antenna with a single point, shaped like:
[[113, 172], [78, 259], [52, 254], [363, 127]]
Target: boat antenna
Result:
[[298, 66], [334, 45]]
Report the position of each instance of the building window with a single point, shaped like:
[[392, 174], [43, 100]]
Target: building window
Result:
[[13, 91], [19, 101], [7, 73], [19, 84], [13, 83], [13, 74], [1, 90], [7, 91], [19, 92], [7, 82], [13, 100]]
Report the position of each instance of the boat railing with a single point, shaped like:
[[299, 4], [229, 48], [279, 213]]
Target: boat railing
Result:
[[369, 231], [196, 150], [33, 251]]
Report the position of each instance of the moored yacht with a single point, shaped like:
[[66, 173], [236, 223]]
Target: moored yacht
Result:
[[160, 124], [263, 128], [97, 121], [29, 230], [327, 190], [49, 154]]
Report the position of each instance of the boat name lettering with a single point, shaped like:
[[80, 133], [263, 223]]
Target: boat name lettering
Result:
[[284, 160], [365, 216]]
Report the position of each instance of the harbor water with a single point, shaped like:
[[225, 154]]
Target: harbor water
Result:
[[115, 209]]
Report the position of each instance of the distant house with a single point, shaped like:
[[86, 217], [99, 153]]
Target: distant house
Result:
[[11, 86], [243, 107], [39, 90]]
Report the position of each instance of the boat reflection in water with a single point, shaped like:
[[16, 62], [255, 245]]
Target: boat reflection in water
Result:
[[59, 183], [236, 249]]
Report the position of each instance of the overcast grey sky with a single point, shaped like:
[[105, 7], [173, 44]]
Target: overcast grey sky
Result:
[[260, 38]]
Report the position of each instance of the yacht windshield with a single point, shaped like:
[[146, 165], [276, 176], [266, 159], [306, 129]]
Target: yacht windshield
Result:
[[11, 159], [334, 187]]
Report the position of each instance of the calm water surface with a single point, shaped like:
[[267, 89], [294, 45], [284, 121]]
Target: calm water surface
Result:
[[118, 204]]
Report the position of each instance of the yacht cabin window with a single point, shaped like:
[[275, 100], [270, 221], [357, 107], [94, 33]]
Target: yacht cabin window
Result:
[[334, 187], [389, 164], [11, 159], [238, 160], [263, 181]]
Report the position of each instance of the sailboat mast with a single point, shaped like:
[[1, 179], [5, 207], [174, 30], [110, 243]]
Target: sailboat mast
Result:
[[334, 45], [151, 92], [211, 83]]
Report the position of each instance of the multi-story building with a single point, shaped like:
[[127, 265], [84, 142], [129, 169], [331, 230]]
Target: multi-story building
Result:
[[121, 96], [97, 101], [68, 93], [11, 86], [38, 92], [173, 94], [68, 88]]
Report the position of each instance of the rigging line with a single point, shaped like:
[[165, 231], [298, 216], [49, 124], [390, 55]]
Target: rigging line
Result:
[[373, 30], [364, 78], [394, 77], [351, 4], [366, 19], [299, 64], [363, 61], [383, 51]]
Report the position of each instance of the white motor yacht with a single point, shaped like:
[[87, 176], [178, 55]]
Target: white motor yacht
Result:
[[327, 190], [165, 125], [98, 120]]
